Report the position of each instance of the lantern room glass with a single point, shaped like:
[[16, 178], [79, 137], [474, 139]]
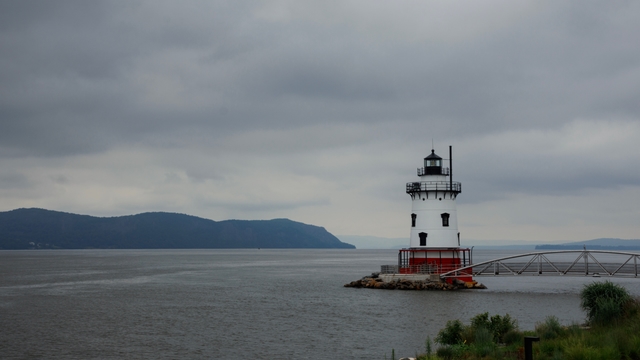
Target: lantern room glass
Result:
[[432, 163]]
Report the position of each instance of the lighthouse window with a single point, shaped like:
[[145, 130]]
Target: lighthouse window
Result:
[[445, 219], [423, 239], [413, 220]]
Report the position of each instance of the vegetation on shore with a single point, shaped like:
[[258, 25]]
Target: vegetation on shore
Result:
[[612, 331]]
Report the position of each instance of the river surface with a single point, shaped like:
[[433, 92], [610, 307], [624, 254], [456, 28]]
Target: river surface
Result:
[[249, 304]]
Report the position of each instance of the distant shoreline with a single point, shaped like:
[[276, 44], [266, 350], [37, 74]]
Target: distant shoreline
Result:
[[587, 247]]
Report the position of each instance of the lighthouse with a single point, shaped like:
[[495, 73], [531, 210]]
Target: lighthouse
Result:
[[434, 243]]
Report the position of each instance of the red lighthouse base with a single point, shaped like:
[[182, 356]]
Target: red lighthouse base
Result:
[[436, 261]]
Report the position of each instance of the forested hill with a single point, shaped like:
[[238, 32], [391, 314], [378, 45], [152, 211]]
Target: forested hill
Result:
[[45, 229]]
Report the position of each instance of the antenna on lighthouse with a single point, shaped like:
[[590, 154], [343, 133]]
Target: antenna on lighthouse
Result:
[[450, 169]]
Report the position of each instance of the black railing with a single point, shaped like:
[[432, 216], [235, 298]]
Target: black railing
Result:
[[418, 186], [433, 171]]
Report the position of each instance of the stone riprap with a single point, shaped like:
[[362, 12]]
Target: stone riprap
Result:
[[374, 281]]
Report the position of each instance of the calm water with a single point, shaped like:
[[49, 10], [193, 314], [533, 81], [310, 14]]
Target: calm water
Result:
[[255, 304]]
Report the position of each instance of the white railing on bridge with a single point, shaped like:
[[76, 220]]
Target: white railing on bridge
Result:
[[611, 263]]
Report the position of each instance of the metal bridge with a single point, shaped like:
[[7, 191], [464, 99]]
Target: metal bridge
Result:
[[587, 263]]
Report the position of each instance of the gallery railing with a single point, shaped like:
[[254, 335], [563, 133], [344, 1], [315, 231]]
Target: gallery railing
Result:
[[418, 186]]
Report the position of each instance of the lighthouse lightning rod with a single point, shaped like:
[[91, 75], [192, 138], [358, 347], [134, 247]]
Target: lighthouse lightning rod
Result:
[[450, 170]]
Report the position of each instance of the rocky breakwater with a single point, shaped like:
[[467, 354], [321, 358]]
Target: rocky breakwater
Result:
[[374, 281]]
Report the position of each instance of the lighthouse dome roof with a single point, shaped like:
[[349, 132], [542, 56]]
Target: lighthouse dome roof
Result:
[[433, 156]]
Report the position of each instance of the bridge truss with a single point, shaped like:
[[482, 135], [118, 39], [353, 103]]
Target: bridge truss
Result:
[[586, 263]]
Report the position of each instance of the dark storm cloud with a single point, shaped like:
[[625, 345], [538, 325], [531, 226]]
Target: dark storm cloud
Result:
[[66, 72], [59, 39], [69, 73], [55, 73]]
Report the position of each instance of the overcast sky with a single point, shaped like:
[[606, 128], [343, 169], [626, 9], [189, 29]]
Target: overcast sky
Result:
[[321, 111]]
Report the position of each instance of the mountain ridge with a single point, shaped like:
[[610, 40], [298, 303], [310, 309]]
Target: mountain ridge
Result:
[[40, 228]]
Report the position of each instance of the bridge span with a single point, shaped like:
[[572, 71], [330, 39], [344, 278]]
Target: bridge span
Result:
[[560, 262]]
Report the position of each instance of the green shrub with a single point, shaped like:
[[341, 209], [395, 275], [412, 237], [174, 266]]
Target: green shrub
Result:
[[604, 302], [621, 338], [483, 344], [483, 336], [497, 325], [468, 334], [548, 348], [482, 350], [590, 353], [451, 352], [589, 345], [500, 325], [428, 347], [481, 320], [445, 352], [632, 308], [573, 330], [549, 329], [632, 350], [513, 337], [608, 340], [451, 334], [609, 310]]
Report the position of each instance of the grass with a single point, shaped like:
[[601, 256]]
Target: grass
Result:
[[613, 332]]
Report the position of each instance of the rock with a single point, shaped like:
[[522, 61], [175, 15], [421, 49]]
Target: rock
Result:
[[375, 282]]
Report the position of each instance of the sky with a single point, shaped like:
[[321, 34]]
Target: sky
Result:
[[321, 112]]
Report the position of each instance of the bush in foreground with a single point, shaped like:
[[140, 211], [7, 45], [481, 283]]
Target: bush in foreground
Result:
[[613, 314], [481, 337], [604, 302]]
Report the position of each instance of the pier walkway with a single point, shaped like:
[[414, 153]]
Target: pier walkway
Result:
[[561, 262]]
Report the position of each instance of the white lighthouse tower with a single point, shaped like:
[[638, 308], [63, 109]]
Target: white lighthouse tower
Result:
[[435, 241]]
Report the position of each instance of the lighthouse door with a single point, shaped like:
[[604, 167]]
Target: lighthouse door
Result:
[[423, 238]]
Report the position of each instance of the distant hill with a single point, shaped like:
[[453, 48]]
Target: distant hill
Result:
[[39, 228], [374, 242], [595, 244]]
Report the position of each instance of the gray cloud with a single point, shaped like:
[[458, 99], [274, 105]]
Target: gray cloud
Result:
[[537, 98], [13, 181]]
